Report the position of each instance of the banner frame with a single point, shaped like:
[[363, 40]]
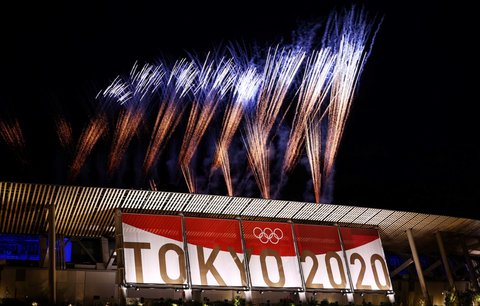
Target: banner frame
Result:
[[123, 285]]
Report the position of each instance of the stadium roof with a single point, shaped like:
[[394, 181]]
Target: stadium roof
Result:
[[89, 212]]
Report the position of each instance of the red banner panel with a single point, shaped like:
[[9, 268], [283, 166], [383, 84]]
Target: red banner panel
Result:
[[153, 248], [321, 257], [366, 259], [271, 254], [215, 252]]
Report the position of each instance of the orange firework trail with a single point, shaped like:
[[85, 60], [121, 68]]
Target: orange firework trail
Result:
[[134, 97], [213, 84], [64, 133], [314, 152], [170, 109], [351, 58], [12, 134], [246, 88], [96, 128], [314, 88], [257, 155], [280, 70]]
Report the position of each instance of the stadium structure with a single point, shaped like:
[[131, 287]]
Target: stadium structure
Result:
[[429, 257]]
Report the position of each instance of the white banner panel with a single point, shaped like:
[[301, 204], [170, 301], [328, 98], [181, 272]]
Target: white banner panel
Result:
[[272, 259], [215, 252], [321, 256], [366, 259], [153, 248]]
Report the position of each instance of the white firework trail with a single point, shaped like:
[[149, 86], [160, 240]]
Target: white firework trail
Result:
[[134, 97], [280, 71], [351, 57], [314, 88], [245, 90], [213, 85], [170, 109]]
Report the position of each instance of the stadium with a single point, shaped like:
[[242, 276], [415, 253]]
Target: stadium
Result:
[[84, 267]]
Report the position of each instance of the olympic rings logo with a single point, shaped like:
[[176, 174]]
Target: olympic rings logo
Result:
[[267, 235]]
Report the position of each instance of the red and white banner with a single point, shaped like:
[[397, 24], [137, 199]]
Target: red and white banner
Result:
[[154, 254], [153, 248], [321, 256], [366, 259], [272, 258], [215, 252]]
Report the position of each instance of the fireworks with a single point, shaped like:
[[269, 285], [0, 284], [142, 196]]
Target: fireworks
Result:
[[351, 57], [12, 134], [314, 149], [64, 133], [246, 89], [134, 98], [170, 108], [280, 70], [221, 103], [313, 90], [96, 128], [213, 84]]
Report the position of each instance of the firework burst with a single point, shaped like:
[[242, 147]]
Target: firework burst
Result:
[[64, 133], [314, 88], [12, 134], [283, 106], [96, 128], [213, 85], [170, 109], [314, 152], [280, 69], [134, 96], [353, 44], [246, 88]]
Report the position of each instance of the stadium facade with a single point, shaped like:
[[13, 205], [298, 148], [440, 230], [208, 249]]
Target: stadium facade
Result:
[[117, 246]]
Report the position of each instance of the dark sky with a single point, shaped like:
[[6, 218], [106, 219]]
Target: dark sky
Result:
[[410, 142]]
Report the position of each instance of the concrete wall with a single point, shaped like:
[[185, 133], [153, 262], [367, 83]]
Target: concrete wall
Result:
[[97, 287], [410, 293], [73, 286]]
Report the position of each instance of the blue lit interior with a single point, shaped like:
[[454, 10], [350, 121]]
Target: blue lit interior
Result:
[[26, 247]]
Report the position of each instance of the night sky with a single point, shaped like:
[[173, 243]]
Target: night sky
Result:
[[410, 143]]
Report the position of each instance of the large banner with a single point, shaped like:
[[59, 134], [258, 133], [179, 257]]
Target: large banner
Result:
[[366, 259], [217, 257], [215, 252], [272, 258], [153, 248], [322, 257]]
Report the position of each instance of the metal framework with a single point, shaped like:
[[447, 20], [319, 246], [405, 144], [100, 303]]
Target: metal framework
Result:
[[89, 212]]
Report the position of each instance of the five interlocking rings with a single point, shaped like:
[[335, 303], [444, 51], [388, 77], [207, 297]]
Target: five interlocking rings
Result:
[[267, 235]]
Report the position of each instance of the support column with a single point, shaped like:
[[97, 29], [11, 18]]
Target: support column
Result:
[[471, 269], [43, 251], [105, 251], [52, 256], [418, 267], [402, 267], [61, 252], [248, 292], [302, 295], [349, 293], [188, 291], [120, 277], [446, 265]]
